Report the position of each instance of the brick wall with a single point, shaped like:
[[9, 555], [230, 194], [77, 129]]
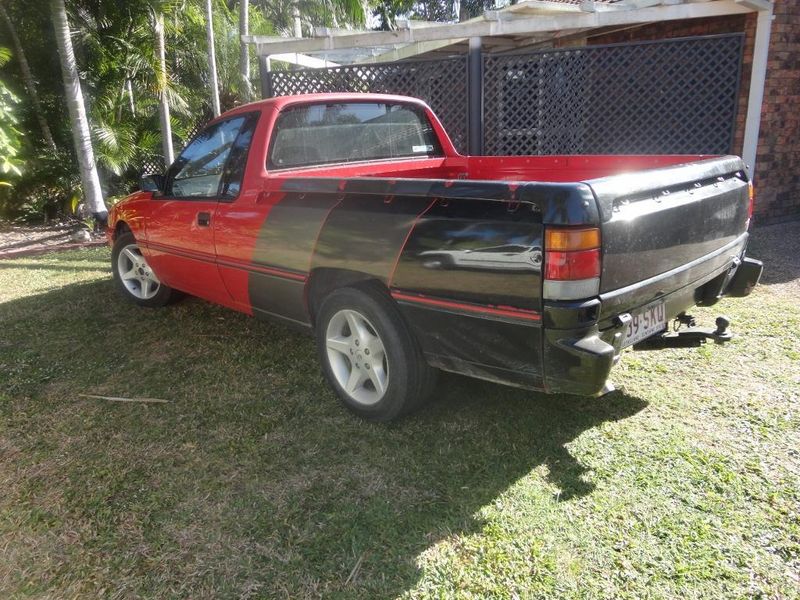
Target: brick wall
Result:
[[778, 161]]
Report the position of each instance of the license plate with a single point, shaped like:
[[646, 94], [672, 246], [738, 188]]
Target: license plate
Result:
[[644, 323]]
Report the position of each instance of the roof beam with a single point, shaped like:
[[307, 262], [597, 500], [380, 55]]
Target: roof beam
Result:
[[527, 7], [528, 24], [409, 51], [756, 4], [561, 36], [303, 60], [639, 4]]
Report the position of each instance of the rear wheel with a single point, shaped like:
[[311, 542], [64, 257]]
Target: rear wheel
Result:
[[369, 356], [133, 275]]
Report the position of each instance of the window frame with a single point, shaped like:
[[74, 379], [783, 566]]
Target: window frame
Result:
[[250, 116], [419, 110]]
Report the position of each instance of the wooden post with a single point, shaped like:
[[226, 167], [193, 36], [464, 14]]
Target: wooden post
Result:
[[756, 96]]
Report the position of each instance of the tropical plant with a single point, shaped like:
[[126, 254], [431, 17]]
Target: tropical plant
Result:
[[10, 142], [130, 94], [47, 187], [388, 11], [314, 13], [27, 77]]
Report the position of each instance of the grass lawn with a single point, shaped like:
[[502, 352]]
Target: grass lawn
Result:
[[253, 482]]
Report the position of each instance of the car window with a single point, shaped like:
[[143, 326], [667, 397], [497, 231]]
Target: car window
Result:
[[198, 170], [352, 131], [234, 170]]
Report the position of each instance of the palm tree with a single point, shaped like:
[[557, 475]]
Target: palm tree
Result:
[[297, 26], [212, 61], [244, 54], [81, 134], [27, 78], [161, 86]]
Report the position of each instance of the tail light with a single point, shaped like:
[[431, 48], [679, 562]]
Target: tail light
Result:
[[571, 263], [752, 196]]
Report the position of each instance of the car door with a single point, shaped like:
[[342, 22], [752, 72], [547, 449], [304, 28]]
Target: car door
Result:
[[266, 240], [180, 229]]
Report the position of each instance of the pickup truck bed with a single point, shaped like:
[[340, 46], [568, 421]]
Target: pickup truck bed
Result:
[[529, 271]]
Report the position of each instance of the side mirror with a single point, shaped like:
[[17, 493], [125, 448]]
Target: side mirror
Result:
[[151, 183]]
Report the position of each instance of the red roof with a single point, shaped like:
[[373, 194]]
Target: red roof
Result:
[[279, 102]]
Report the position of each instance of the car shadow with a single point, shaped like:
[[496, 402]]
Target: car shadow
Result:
[[320, 488]]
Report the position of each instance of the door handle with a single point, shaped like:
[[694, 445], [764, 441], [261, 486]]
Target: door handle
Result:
[[203, 219]]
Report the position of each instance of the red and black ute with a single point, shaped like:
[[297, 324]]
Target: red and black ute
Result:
[[352, 215]]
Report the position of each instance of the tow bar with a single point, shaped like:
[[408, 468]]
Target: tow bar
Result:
[[689, 337]]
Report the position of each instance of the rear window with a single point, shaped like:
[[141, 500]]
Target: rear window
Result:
[[349, 132]]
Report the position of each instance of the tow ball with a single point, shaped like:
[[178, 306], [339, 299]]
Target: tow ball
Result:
[[686, 334]]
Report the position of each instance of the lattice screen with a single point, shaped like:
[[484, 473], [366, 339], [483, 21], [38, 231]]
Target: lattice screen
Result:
[[441, 83], [154, 163], [151, 165], [194, 130], [676, 96]]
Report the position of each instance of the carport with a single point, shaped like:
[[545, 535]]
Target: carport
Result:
[[526, 79]]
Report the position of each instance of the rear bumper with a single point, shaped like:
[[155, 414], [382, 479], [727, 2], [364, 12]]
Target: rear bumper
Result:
[[746, 277], [577, 361], [583, 341], [692, 274]]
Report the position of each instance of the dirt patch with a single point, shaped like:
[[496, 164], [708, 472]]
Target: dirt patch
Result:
[[31, 240]]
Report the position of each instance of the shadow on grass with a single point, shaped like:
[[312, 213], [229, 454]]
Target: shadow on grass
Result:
[[300, 486]]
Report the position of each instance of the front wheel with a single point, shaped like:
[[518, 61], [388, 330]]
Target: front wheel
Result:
[[369, 356], [134, 277]]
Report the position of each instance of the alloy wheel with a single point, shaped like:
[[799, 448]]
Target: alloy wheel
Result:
[[357, 356], [135, 274]]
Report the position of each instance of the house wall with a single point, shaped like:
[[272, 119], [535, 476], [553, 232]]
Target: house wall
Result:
[[777, 179]]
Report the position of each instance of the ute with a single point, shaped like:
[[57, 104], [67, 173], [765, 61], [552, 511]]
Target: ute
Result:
[[353, 216]]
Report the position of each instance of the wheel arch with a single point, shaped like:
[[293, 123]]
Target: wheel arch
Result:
[[369, 296], [324, 280], [120, 228]]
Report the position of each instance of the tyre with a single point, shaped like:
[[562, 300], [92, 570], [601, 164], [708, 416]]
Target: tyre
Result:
[[134, 277], [369, 355]]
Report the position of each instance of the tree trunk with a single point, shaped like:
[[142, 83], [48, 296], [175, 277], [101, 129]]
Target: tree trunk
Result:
[[212, 60], [163, 102], [77, 112], [131, 103], [244, 54], [332, 11], [27, 78], [298, 24], [121, 99]]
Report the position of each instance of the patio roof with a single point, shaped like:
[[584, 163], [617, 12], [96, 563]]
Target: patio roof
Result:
[[530, 23], [513, 27]]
